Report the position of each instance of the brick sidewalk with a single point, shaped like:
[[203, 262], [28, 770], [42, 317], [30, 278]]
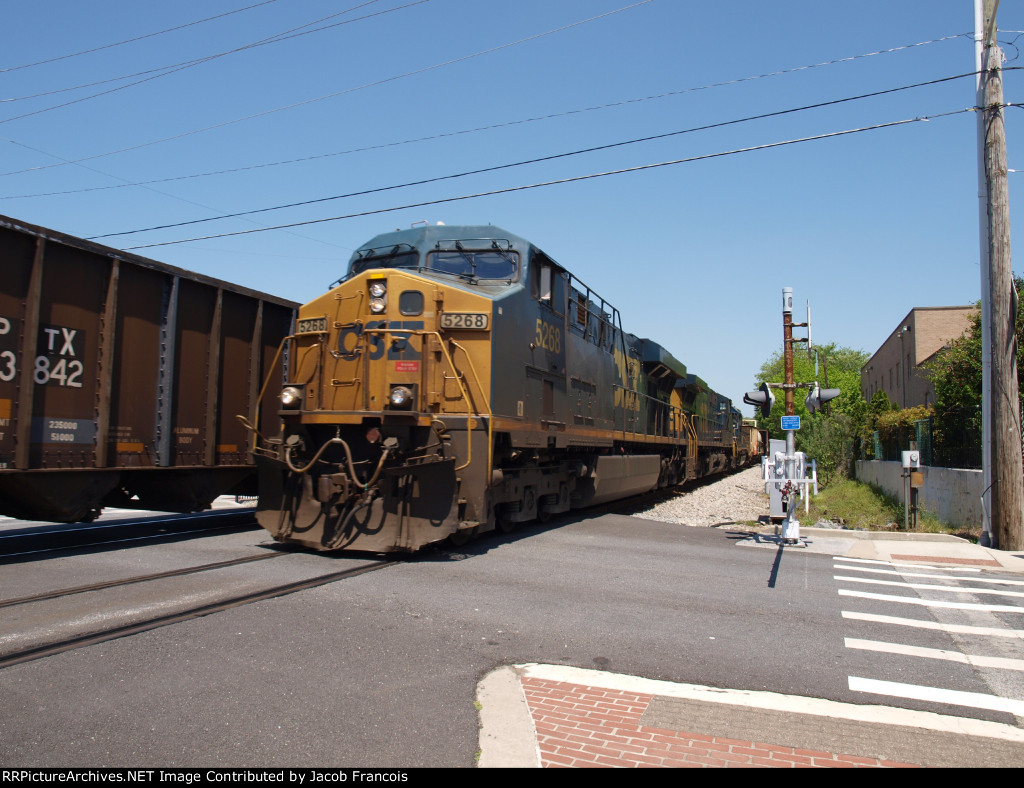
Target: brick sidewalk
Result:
[[582, 726]]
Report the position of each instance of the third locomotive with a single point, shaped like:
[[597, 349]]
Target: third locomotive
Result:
[[457, 380]]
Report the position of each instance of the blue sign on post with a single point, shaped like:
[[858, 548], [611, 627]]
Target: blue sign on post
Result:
[[790, 422]]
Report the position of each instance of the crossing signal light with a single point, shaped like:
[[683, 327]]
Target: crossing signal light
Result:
[[818, 397], [762, 398]]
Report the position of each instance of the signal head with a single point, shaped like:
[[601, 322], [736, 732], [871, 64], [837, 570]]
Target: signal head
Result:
[[818, 397], [762, 398]]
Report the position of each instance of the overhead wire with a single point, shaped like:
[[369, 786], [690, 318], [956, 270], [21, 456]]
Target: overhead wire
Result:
[[171, 68], [168, 70], [136, 38], [490, 127], [207, 207], [560, 181], [540, 159]]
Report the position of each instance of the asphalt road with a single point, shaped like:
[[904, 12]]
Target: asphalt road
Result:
[[381, 669]]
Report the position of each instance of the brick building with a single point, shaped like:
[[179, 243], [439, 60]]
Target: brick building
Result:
[[896, 369]]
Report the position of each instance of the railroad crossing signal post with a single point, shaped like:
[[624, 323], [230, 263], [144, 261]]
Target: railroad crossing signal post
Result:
[[789, 472]]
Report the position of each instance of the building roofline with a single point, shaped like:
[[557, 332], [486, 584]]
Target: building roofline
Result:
[[906, 319]]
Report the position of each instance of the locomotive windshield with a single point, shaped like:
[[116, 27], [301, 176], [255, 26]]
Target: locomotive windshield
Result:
[[387, 260], [489, 264]]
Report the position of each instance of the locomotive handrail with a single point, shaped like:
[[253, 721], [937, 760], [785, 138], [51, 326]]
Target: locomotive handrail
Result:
[[669, 410], [490, 414], [254, 426], [693, 441]]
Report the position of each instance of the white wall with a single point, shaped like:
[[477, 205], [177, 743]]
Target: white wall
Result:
[[951, 494]]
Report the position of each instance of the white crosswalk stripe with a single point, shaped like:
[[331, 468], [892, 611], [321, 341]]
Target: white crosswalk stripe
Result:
[[894, 573], [977, 700], [931, 587], [909, 600], [877, 562], [917, 623], [1002, 663]]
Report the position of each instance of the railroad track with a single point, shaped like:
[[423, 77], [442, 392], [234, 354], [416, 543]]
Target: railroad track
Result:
[[132, 580], [70, 643], [36, 539]]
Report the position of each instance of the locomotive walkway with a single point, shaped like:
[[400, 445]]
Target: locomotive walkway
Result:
[[556, 716]]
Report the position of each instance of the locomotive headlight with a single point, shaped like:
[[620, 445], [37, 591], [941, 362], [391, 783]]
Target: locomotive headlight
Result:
[[377, 305], [291, 397], [400, 397], [378, 288]]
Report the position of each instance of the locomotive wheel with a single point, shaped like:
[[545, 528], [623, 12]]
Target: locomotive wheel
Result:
[[505, 525], [462, 537]]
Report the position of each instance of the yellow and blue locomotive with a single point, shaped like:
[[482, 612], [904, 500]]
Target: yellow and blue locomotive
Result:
[[457, 380]]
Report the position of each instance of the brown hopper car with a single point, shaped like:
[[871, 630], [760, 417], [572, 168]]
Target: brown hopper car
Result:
[[121, 379]]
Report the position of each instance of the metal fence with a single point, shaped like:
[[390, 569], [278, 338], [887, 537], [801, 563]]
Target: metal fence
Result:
[[960, 450]]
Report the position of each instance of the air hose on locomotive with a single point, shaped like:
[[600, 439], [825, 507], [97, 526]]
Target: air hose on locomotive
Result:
[[366, 495]]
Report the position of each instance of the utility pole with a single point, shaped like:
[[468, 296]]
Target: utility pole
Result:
[[1007, 468]]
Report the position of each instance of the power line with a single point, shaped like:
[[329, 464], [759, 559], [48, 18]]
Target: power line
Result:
[[136, 38], [285, 35], [201, 205], [537, 160], [168, 70], [560, 181], [491, 127]]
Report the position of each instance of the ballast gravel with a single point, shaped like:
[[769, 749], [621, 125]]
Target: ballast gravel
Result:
[[739, 498]]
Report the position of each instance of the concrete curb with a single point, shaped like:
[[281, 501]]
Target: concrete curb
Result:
[[508, 737]]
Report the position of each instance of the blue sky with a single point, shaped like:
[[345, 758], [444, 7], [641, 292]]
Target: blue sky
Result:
[[865, 225]]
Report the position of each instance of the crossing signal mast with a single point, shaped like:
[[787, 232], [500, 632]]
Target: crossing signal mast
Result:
[[790, 474]]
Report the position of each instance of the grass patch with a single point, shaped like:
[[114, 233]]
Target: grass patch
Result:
[[866, 507]]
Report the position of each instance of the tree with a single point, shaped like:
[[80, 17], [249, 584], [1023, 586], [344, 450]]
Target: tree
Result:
[[838, 368], [829, 440], [827, 437], [955, 372]]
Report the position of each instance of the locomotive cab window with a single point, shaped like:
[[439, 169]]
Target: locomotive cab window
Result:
[[489, 264], [388, 259], [550, 284]]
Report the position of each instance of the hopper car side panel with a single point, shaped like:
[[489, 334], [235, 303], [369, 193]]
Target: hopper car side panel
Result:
[[121, 378]]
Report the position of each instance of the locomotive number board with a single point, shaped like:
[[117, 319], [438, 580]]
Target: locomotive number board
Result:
[[311, 325], [479, 321]]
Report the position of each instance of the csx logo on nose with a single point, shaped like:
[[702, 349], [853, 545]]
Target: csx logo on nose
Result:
[[399, 349]]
